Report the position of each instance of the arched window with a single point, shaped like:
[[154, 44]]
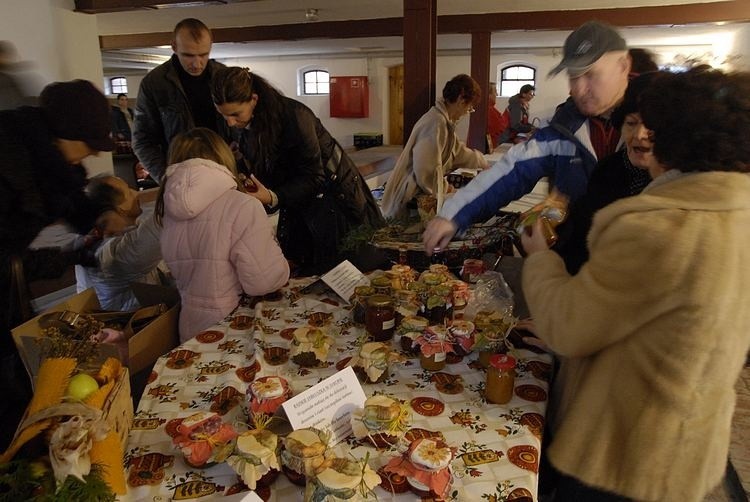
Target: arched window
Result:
[[118, 85], [514, 76], [315, 82]]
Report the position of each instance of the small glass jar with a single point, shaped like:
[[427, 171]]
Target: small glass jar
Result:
[[471, 270], [434, 347], [460, 297], [439, 268], [420, 288], [361, 295], [382, 285], [439, 304], [432, 278], [380, 318], [433, 362], [501, 376], [407, 304], [405, 273]]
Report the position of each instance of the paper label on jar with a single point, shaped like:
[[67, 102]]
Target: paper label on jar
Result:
[[389, 324], [439, 357]]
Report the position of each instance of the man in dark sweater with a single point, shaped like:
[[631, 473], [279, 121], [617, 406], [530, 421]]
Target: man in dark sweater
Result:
[[175, 97]]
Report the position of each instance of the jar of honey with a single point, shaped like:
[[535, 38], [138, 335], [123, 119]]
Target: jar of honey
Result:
[[359, 303], [501, 376], [380, 318]]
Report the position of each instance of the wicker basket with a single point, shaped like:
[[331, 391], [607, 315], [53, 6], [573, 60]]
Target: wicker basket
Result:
[[117, 410], [497, 235]]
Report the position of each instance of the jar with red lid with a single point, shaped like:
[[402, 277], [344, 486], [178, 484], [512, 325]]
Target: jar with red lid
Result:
[[380, 318], [501, 376], [472, 269]]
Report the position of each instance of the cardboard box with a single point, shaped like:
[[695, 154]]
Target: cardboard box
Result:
[[157, 338]]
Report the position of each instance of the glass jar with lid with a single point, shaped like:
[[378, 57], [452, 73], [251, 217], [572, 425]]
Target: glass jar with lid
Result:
[[380, 318], [382, 285], [501, 375], [359, 303]]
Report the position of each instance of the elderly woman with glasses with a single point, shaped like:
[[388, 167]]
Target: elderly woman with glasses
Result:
[[434, 149]]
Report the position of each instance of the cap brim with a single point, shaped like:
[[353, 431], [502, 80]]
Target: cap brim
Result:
[[101, 145], [573, 71], [557, 69]]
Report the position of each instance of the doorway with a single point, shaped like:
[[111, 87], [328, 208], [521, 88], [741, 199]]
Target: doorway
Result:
[[396, 105]]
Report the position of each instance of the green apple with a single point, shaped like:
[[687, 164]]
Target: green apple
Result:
[[81, 386]]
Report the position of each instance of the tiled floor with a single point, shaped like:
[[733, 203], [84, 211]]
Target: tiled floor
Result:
[[739, 450]]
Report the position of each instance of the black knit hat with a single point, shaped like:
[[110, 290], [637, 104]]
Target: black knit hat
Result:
[[77, 110], [586, 45]]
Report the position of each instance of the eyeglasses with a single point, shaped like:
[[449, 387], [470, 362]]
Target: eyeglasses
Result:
[[472, 109]]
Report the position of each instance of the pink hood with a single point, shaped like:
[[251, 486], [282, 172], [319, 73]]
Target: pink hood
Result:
[[193, 185], [217, 242]]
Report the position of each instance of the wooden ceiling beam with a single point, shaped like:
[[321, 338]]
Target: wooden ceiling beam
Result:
[[384, 27], [103, 6], [725, 11]]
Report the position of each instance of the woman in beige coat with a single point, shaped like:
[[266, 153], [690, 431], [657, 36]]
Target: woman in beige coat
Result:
[[433, 149], [654, 329]]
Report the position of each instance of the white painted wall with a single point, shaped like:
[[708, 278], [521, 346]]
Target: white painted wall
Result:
[[282, 72], [741, 48], [58, 44]]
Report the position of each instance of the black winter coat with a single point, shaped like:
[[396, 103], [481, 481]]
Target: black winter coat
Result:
[[37, 188], [322, 195], [612, 179], [162, 112]]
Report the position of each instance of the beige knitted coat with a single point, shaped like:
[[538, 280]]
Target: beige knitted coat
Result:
[[654, 331]]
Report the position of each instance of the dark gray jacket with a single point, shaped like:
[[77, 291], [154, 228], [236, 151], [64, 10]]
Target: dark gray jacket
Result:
[[162, 111]]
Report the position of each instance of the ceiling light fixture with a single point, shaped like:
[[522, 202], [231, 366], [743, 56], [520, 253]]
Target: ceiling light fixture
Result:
[[312, 15]]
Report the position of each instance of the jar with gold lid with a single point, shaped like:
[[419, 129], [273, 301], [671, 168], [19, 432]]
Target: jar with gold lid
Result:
[[382, 285], [359, 303], [501, 375], [380, 318]]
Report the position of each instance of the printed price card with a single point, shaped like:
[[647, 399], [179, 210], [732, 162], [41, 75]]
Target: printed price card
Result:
[[328, 405]]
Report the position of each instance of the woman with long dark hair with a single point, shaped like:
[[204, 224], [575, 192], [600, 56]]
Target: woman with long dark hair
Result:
[[295, 166]]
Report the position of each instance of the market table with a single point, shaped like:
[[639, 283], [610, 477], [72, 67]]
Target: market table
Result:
[[497, 446]]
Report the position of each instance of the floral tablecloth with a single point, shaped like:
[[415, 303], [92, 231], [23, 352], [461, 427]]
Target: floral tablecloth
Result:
[[497, 446]]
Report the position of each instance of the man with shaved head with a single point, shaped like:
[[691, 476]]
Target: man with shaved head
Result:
[[175, 96]]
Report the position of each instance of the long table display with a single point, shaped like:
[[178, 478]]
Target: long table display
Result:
[[496, 447]]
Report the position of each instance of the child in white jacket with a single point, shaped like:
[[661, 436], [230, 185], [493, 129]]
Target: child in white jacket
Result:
[[216, 240]]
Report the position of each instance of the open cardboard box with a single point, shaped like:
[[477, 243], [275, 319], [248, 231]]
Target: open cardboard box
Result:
[[157, 338]]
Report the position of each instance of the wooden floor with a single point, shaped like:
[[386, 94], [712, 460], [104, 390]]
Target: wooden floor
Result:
[[736, 486]]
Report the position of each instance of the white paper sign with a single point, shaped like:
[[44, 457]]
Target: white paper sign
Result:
[[343, 278], [242, 497], [328, 405]]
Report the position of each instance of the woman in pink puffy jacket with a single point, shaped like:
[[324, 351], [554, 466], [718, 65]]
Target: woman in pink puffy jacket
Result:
[[216, 240]]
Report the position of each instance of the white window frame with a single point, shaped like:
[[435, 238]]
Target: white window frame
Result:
[[501, 91], [116, 87], [301, 88]]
